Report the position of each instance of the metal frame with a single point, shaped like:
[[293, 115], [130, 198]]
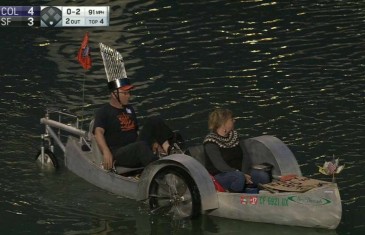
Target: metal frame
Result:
[[50, 135]]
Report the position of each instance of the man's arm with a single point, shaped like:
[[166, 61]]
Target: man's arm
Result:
[[100, 139]]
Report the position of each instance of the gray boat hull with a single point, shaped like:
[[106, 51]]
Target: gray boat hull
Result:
[[319, 207]]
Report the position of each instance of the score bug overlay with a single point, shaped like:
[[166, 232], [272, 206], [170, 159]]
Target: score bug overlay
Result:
[[54, 16], [19, 16], [85, 16]]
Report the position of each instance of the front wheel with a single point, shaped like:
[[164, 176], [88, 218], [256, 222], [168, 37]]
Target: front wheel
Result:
[[174, 192], [48, 160]]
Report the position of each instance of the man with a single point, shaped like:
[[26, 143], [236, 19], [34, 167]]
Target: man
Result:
[[116, 131]]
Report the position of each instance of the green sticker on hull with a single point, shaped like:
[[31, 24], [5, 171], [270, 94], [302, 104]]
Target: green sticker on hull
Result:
[[305, 200]]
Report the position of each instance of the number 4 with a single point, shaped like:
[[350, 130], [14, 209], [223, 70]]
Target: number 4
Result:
[[31, 12]]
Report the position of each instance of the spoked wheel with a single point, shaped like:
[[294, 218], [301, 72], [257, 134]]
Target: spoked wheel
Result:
[[174, 192], [49, 160]]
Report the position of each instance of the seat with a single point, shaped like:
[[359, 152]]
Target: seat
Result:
[[123, 170], [198, 153]]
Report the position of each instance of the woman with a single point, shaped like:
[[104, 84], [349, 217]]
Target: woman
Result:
[[226, 159]]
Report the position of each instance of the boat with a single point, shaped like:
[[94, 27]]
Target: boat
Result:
[[180, 185]]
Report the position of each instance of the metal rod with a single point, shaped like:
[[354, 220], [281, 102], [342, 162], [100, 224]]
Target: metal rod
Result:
[[55, 137], [42, 154], [64, 127]]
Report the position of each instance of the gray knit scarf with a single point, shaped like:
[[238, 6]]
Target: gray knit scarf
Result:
[[230, 141]]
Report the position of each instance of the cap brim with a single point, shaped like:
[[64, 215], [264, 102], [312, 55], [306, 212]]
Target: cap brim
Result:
[[122, 83], [127, 87]]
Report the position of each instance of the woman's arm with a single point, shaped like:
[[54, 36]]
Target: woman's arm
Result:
[[215, 156]]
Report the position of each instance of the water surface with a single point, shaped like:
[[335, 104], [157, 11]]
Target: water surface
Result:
[[293, 69]]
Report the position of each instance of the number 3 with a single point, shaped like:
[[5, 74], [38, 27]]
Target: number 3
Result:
[[31, 21]]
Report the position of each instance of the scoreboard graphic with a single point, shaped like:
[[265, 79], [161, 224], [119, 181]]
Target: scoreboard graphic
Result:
[[54, 16]]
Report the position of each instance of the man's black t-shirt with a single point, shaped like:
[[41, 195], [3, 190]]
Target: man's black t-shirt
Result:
[[120, 125]]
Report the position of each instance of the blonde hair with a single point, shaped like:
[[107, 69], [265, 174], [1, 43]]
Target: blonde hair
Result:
[[218, 117]]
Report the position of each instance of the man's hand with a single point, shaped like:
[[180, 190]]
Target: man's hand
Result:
[[108, 160], [107, 155]]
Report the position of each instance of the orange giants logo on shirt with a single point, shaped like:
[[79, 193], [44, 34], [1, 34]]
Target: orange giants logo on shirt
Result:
[[126, 122]]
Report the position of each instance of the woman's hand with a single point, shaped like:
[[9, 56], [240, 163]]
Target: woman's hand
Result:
[[248, 179]]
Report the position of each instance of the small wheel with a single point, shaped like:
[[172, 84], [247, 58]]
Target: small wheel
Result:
[[174, 192], [49, 158]]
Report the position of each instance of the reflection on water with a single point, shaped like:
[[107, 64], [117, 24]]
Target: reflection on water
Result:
[[214, 225], [293, 69]]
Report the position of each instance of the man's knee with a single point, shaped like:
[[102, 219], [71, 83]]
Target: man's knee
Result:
[[142, 146]]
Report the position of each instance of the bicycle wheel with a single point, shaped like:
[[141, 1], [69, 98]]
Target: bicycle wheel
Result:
[[49, 158], [174, 192]]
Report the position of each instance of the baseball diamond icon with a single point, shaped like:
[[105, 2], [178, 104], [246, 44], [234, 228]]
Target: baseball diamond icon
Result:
[[51, 17]]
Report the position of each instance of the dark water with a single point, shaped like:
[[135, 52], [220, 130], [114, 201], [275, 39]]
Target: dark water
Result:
[[293, 69]]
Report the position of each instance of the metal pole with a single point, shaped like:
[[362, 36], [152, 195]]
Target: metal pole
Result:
[[55, 137], [64, 127]]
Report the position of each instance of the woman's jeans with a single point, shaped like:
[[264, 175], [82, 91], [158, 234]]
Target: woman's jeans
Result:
[[234, 181]]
